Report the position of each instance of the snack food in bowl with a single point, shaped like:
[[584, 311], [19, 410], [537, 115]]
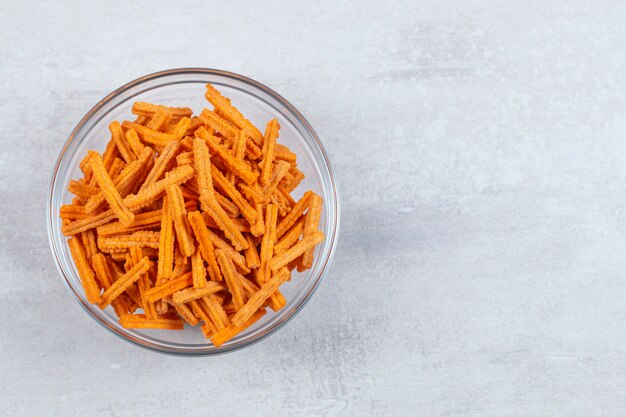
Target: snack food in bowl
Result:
[[183, 221]]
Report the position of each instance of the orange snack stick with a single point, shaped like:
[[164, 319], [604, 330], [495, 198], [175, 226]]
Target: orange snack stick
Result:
[[218, 124], [168, 288], [124, 242], [204, 242], [179, 216], [228, 111], [198, 271], [199, 309], [82, 190], [160, 118], [86, 223], [103, 275], [252, 255], [239, 168], [124, 282], [256, 301], [240, 223], [185, 158], [229, 207], [134, 142], [298, 249], [258, 228], [120, 141], [110, 193], [85, 167], [254, 195], [187, 315], [168, 153], [88, 238], [233, 282], [290, 238], [149, 194], [109, 155], [85, 273], [202, 164], [231, 331], [216, 311], [239, 151], [145, 220], [278, 200], [247, 211], [269, 142], [159, 138], [140, 321], [116, 167], [166, 244], [73, 212], [288, 198], [267, 243], [224, 222], [284, 154], [190, 294], [311, 225], [296, 211], [148, 109]]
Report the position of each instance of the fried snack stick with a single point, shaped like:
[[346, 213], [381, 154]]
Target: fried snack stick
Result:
[[110, 193], [168, 288], [281, 169], [149, 194], [140, 321], [190, 294], [254, 195], [198, 271], [228, 111], [109, 155], [185, 158], [145, 220], [204, 241], [187, 314], [143, 238], [85, 273], [87, 223], [73, 212], [258, 228], [199, 309], [291, 237], [231, 331], [85, 167], [134, 142], [81, 189], [283, 206], [159, 138], [143, 284], [256, 301], [166, 244], [240, 223], [88, 238], [124, 282], [267, 243], [239, 168], [116, 167], [283, 153], [296, 211], [311, 224], [223, 127], [179, 216], [148, 109], [161, 163], [239, 151], [216, 311], [247, 211], [202, 164], [269, 142], [298, 249], [120, 141], [103, 274], [233, 283], [224, 222], [251, 254], [159, 119]]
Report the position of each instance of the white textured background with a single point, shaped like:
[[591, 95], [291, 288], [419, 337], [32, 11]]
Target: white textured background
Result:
[[479, 148]]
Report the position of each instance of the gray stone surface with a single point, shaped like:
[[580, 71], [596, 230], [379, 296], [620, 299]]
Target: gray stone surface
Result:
[[479, 148]]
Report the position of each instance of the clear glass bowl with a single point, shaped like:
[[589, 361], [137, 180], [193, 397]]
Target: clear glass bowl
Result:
[[185, 87]]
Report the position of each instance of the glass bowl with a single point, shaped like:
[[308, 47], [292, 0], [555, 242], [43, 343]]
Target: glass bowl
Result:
[[185, 87]]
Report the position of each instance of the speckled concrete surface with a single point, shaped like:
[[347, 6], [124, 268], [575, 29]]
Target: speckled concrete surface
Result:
[[480, 152]]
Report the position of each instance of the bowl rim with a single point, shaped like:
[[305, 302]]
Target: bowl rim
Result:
[[199, 351]]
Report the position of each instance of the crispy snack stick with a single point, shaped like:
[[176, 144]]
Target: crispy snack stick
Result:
[[88, 238], [269, 142], [85, 167], [202, 163], [120, 141], [311, 225], [134, 142], [288, 198], [296, 211], [159, 138], [233, 283], [254, 195], [231, 331], [185, 158], [73, 212], [240, 223], [161, 163], [239, 168], [166, 244], [284, 154], [252, 255], [116, 167], [229, 207], [150, 193], [135, 254], [101, 268], [229, 112], [267, 243], [256, 301], [298, 249], [190, 294], [204, 241], [85, 273], [198, 271], [124, 242], [159, 119], [124, 282], [140, 321], [281, 169], [110, 193], [87, 223], [109, 155], [291, 237], [199, 309], [168, 287], [187, 315], [248, 212], [258, 228], [148, 109], [216, 123], [145, 220], [278, 200], [216, 311], [224, 222], [239, 151], [82, 190], [179, 216]]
